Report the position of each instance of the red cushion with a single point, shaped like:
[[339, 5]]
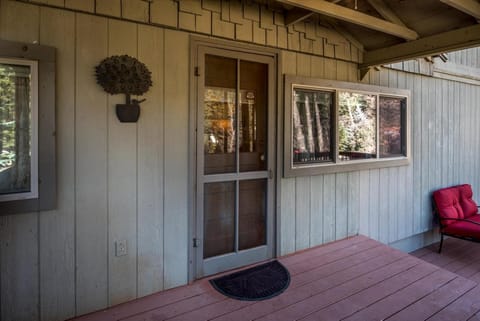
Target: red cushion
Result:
[[464, 229], [448, 204], [468, 205]]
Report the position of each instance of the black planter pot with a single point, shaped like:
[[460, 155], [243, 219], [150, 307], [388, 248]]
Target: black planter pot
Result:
[[128, 113]]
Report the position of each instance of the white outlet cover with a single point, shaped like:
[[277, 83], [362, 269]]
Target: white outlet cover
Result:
[[121, 248]]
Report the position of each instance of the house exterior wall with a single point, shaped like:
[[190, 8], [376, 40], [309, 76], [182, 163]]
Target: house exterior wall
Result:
[[130, 181]]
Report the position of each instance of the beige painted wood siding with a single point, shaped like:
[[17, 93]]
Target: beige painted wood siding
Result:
[[130, 181]]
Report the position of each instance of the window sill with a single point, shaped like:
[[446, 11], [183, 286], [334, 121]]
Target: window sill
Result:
[[350, 166]]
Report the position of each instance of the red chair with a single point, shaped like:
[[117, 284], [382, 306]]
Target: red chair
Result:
[[457, 213]]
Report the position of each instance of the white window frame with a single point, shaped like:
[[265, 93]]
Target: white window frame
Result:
[[33, 193], [335, 166]]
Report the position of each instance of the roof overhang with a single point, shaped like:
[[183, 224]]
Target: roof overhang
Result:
[[390, 30]]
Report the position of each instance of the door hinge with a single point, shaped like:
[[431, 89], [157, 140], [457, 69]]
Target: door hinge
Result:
[[197, 72], [195, 242]]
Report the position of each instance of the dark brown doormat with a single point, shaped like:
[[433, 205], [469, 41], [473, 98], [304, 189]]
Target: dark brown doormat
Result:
[[260, 282]]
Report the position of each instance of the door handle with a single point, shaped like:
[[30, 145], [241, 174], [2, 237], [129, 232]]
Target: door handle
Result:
[[270, 174]]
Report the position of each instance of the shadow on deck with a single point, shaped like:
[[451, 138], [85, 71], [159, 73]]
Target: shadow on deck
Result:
[[352, 279]]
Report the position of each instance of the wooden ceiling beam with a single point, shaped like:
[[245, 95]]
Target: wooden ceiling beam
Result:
[[448, 41], [296, 15], [470, 7], [386, 12], [353, 16]]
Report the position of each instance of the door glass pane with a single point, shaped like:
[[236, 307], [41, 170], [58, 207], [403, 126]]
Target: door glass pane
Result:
[[253, 116], [252, 213], [357, 126], [15, 129], [219, 136], [219, 219], [392, 114]]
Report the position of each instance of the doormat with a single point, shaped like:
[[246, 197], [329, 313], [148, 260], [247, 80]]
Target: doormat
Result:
[[260, 282]]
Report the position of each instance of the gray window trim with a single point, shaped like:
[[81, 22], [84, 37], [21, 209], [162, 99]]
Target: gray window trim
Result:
[[45, 57], [33, 192], [289, 170]]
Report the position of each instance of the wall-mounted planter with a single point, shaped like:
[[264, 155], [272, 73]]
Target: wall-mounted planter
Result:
[[124, 75], [128, 113]]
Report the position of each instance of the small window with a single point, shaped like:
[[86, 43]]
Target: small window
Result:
[[333, 126], [18, 129]]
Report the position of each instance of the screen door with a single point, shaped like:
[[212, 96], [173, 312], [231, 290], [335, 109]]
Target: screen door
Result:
[[235, 157]]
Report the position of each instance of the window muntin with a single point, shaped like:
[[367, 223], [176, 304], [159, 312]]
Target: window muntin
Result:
[[369, 127], [18, 129]]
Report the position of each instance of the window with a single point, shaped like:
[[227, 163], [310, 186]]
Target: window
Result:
[[18, 129], [333, 126], [27, 128]]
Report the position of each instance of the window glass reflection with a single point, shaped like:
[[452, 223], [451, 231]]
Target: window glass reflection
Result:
[[15, 129], [220, 112], [392, 114], [357, 126], [311, 128]]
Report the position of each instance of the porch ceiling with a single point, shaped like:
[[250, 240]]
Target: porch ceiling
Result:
[[393, 30]]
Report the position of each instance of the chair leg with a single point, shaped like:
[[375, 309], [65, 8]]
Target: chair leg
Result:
[[441, 243]]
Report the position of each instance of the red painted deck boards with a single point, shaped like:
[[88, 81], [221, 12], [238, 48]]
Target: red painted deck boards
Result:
[[369, 296], [353, 279]]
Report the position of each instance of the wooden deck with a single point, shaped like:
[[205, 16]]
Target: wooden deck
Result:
[[353, 279]]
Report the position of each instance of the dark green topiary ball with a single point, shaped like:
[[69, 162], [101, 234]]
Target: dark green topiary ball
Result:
[[123, 75]]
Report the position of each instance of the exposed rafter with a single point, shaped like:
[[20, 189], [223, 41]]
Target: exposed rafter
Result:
[[436, 44], [386, 12], [353, 16], [296, 15], [470, 7]]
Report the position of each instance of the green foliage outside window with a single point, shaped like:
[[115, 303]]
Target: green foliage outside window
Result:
[[7, 117], [357, 121], [15, 128]]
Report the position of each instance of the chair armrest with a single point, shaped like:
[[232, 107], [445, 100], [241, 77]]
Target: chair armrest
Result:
[[461, 220]]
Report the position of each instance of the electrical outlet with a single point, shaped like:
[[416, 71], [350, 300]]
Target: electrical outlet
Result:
[[121, 248]]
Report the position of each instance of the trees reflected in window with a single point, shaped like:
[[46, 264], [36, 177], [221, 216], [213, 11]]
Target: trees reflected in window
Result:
[[17, 158], [312, 130], [357, 125], [336, 126], [392, 120]]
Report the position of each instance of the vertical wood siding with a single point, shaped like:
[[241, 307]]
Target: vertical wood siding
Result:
[[120, 181], [91, 167], [387, 204], [111, 176], [57, 228], [19, 249]]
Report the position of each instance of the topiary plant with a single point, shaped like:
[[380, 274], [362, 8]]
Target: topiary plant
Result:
[[124, 75]]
